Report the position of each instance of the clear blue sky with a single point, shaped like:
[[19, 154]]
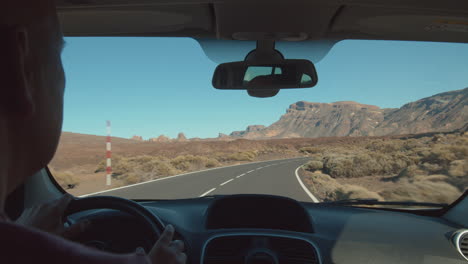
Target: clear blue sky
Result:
[[154, 86]]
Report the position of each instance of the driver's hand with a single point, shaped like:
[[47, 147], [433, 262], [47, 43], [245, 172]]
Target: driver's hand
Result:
[[166, 251], [48, 217]]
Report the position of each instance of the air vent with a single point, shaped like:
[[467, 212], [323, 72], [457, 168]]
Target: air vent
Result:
[[293, 251], [460, 240], [240, 249], [226, 250]]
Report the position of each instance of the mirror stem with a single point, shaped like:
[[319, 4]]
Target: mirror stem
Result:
[[266, 45]]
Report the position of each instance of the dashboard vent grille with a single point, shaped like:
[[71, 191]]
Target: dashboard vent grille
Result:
[[463, 244], [293, 251], [237, 249], [460, 239], [227, 250]]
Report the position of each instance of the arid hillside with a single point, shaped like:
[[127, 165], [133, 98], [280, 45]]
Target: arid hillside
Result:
[[442, 112]]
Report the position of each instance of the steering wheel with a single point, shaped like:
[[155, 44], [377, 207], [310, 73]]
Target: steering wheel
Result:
[[151, 221]]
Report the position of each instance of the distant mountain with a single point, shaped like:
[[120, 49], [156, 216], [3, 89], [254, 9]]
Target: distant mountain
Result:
[[442, 112]]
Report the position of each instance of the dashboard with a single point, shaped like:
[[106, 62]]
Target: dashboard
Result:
[[265, 229]]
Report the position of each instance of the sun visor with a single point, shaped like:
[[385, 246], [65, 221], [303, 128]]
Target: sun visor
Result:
[[401, 24], [221, 51]]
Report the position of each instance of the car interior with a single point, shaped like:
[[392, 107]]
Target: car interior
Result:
[[256, 228]]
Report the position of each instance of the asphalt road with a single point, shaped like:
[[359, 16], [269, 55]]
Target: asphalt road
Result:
[[276, 177]]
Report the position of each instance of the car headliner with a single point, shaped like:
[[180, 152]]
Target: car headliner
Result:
[[422, 20]]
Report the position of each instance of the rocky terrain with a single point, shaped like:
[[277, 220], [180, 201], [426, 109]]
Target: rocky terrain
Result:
[[442, 112]]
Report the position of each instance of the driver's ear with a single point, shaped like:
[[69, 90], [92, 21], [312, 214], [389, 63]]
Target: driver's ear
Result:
[[16, 98]]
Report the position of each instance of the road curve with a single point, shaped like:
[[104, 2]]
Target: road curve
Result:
[[276, 177]]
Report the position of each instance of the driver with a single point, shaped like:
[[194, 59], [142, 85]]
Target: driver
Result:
[[32, 84]]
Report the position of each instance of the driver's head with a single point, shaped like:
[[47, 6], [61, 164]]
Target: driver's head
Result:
[[31, 88]]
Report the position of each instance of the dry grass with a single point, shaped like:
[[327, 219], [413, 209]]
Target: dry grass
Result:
[[427, 169], [314, 165], [239, 156], [434, 190], [66, 179], [327, 188], [136, 169]]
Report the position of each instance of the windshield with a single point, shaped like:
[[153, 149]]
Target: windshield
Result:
[[386, 121]]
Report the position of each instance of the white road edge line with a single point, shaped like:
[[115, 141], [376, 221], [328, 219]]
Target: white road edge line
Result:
[[183, 174], [226, 182], [314, 199], [207, 192]]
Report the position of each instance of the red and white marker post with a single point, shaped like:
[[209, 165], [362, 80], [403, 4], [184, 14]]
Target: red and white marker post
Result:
[[108, 154]]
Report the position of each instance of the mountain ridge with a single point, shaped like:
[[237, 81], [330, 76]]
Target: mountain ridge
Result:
[[442, 112]]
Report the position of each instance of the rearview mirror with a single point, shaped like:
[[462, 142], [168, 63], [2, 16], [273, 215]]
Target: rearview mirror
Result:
[[245, 75]]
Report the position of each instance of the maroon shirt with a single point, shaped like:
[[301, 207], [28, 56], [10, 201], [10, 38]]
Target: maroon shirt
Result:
[[19, 244]]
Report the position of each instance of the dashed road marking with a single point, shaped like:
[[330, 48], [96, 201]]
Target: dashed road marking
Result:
[[250, 171], [207, 192], [240, 175], [226, 182]]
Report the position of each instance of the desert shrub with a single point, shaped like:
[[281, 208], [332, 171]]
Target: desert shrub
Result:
[[310, 150], [385, 146], [212, 163], [188, 162], [423, 152], [422, 190], [65, 179], [242, 156], [130, 170], [431, 178], [348, 191], [458, 168], [101, 166], [410, 172], [121, 165], [412, 143], [321, 185], [155, 168], [441, 156], [131, 178], [191, 162], [338, 166], [398, 162], [460, 150], [421, 169], [313, 165], [144, 159], [328, 189], [431, 168], [164, 169], [364, 164]]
